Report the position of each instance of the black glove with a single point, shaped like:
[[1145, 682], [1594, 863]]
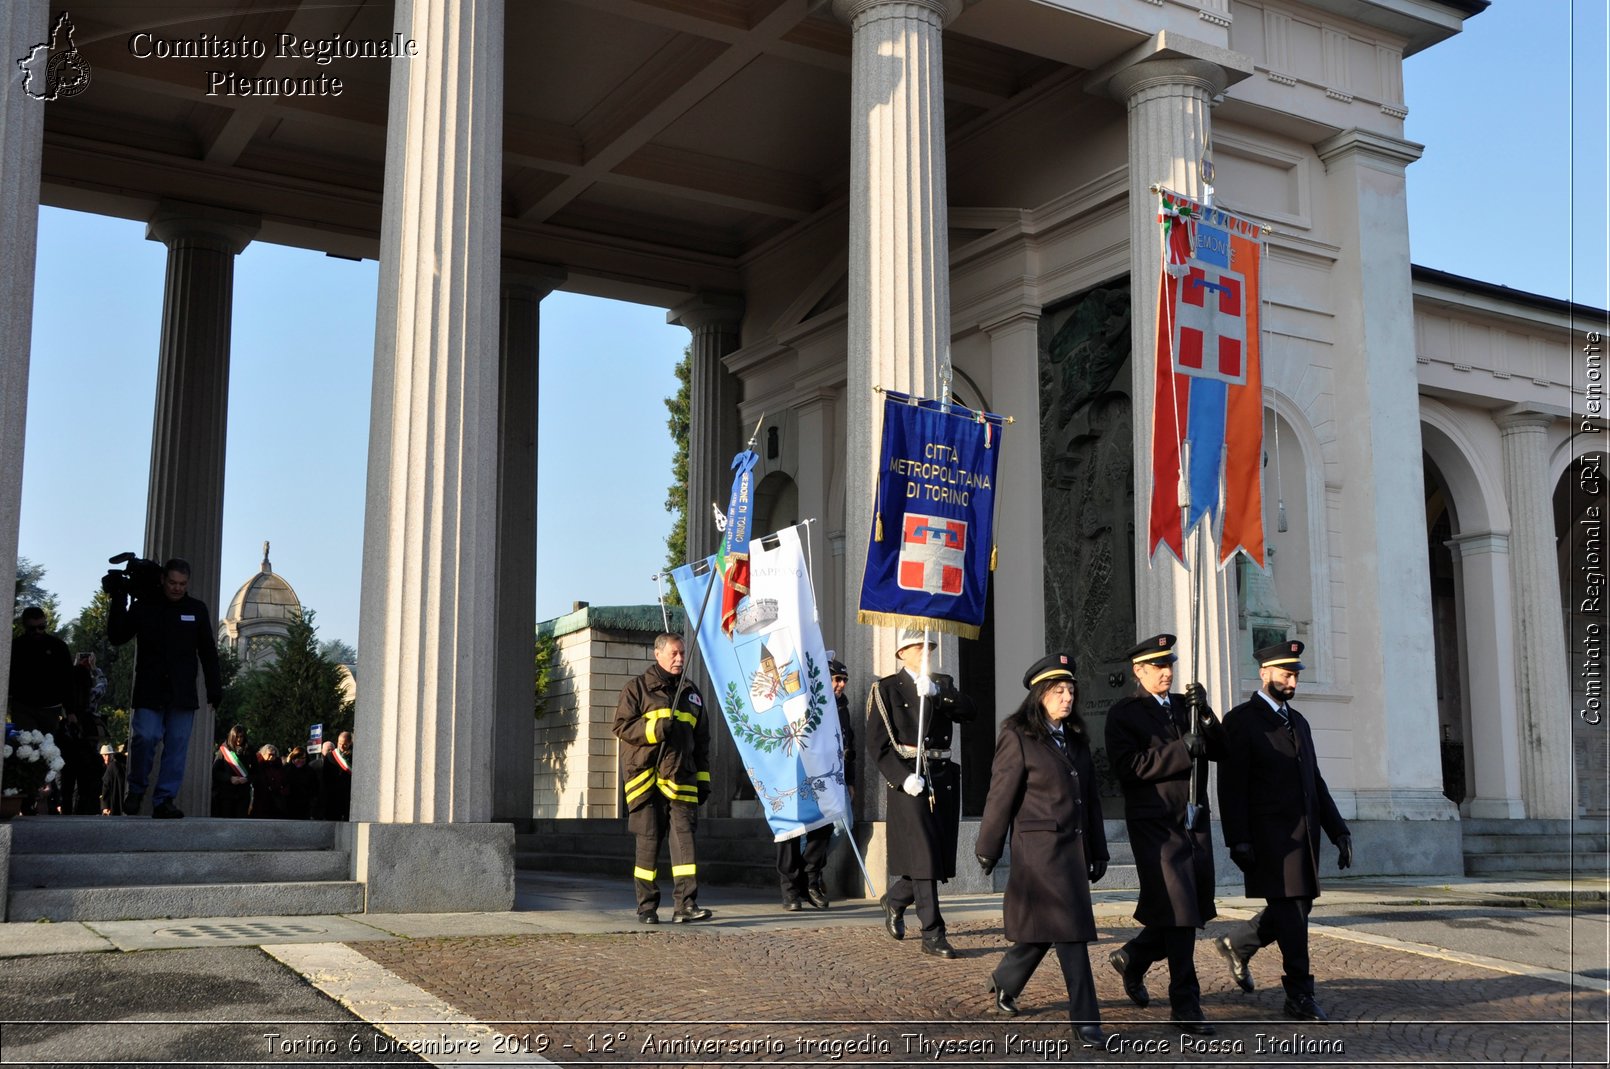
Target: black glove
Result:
[[986, 863], [1098, 869], [1195, 745], [1241, 854], [1344, 852], [1196, 695]]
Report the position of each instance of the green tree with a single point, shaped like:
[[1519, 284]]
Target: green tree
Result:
[[31, 591], [300, 687], [678, 405], [547, 657], [87, 634], [338, 651]]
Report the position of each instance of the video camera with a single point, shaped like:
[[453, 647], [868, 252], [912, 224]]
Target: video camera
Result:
[[140, 578]]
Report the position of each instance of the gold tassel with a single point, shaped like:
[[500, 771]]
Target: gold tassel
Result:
[[994, 556], [877, 528]]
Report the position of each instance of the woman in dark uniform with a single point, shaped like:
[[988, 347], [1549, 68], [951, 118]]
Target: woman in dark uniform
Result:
[[1043, 787]]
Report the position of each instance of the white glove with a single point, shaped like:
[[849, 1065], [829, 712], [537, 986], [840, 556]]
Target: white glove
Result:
[[914, 785], [926, 685]]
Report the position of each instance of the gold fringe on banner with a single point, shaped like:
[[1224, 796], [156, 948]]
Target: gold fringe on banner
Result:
[[895, 619], [877, 528], [994, 556]]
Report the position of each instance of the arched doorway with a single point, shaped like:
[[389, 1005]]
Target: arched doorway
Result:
[[1453, 713]]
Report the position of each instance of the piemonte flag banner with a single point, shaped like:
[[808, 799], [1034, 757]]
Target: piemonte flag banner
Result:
[[1207, 425], [933, 528], [732, 557], [771, 676]]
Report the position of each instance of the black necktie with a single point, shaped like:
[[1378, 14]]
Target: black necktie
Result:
[[1062, 744], [1285, 721]]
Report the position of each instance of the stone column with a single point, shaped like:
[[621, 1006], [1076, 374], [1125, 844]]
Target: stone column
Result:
[[23, 25], [1541, 670], [184, 513], [514, 733], [1020, 532], [899, 267], [427, 630], [1396, 765], [1482, 564], [1168, 90]]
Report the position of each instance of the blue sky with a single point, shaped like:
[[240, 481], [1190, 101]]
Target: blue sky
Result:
[[1512, 113]]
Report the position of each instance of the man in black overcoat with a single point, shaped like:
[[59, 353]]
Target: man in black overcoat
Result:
[[1273, 803], [1153, 751], [923, 797]]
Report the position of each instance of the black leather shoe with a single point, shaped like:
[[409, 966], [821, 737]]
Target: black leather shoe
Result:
[[1004, 1003], [648, 918], [818, 896], [167, 811], [1193, 1023], [792, 903], [1134, 986], [1304, 1008], [131, 805], [692, 913], [938, 946], [1239, 972], [1092, 1034], [894, 920]]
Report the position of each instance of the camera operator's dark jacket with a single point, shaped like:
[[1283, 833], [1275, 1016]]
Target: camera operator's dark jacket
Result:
[[172, 634]]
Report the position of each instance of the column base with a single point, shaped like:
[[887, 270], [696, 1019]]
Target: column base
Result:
[[1403, 804], [433, 868], [1494, 809]]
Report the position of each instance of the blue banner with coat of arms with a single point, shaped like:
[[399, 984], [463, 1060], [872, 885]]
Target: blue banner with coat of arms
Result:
[[933, 528]]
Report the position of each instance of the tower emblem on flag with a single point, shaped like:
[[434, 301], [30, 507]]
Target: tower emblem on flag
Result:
[[1210, 328], [933, 552]]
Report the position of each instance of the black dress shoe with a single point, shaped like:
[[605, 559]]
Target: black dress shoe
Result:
[[692, 913], [1134, 986], [648, 918], [894, 920], [1239, 972], [1004, 1003], [792, 903], [131, 805], [1193, 1023], [167, 811], [1092, 1034], [1304, 1008], [818, 896], [938, 946]]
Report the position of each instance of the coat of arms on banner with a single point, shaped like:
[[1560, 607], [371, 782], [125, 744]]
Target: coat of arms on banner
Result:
[[933, 554], [1210, 327]]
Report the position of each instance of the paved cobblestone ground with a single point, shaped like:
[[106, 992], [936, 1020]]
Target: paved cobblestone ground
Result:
[[700, 995]]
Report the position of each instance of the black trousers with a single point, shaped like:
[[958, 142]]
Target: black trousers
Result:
[[1283, 921], [660, 819], [905, 891], [800, 860], [1019, 962], [1177, 945]]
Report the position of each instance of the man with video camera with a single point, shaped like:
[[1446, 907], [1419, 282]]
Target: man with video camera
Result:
[[173, 630]]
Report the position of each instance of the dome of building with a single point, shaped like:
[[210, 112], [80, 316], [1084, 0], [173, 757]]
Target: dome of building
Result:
[[260, 612]]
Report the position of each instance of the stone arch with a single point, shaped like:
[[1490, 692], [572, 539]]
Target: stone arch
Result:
[[776, 503], [1477, 494]]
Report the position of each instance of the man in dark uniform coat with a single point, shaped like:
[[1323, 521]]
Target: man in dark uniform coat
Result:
[[1153, 751], [923, 797], [800, 864], [1273, 803]]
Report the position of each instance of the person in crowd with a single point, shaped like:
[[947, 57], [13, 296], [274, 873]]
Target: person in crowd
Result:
[[302, 784], [174, 635], [231, 777], [335, 780], [923, 796], [111, 782], [270, 785], [81, 737], [1043, 788], [1273, 803], [1153, 750], [665, 767], [801, 860], [41, 684]]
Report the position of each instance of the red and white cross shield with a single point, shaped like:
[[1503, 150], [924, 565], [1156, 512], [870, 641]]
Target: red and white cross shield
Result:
[[933, 552], [1210, 324]]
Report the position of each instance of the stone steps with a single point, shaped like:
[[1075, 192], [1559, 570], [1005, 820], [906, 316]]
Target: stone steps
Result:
[[1505, 847], [30, 871], [1539, 863], [149, 901]]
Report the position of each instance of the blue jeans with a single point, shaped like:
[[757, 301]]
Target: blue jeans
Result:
[[170, 727]]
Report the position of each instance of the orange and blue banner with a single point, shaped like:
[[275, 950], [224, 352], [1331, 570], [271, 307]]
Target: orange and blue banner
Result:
[[1207, 427]]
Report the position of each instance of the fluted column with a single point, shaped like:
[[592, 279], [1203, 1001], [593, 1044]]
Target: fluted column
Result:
[[184, 513], [23, 24], [1540, 661], [1168, 94], [1482, 565], [514, 733], [899, 263], [424, 735], [713, 432]]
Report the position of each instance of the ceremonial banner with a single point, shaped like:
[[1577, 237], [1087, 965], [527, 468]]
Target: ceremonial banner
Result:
[[772, 684], [1207, 422], [732, 558], [933, 528]]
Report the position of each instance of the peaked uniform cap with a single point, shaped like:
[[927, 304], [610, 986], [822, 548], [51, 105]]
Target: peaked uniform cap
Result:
[[913, 636], [1053, 666], [1287, 655], [836, 669], [1159, 649]]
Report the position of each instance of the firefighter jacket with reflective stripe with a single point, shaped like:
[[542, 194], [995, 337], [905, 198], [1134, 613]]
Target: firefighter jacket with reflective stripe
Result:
[[664, 751]]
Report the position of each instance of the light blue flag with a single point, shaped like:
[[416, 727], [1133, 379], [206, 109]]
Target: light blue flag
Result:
[[773, 686]]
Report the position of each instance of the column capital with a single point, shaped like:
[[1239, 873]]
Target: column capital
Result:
[[1170, 59], [1024, 315], [946, 10], [1394, 151], [535, 280], [708, 310], [1476, 543], [177, 221], [1528, 416]]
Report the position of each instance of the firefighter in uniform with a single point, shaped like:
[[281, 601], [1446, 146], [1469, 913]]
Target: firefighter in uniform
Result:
[[1273, 803], [1153, 751], [800, 860], [665, 766], [924, 809]]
